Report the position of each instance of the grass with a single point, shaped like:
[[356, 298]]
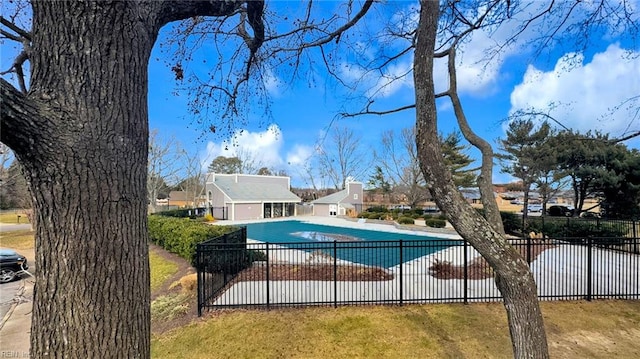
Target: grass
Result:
[[17, 240], [600, 329], [12, 217], [161, 270], [169, 306]]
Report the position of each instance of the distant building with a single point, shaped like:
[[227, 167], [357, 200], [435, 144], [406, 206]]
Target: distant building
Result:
[[339, 203], [180, 199], [239, 197]]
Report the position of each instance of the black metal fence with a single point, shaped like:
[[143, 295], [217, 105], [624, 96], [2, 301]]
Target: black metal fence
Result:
[[216, 270], [219, 212], [572, 226], [396, 272]]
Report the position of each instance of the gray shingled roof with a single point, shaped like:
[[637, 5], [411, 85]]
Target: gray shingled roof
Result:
[[255, 192], [332, 198]]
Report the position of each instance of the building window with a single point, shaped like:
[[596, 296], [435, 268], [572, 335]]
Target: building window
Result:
[[355, 196]]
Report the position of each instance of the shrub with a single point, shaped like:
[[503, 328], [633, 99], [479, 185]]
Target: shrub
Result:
[[406, 220], [181, 235], [435, 223], [379, 209], [511, 222], [417, 212], [209, 217], [602, 232], [377, 215], [256, 256]]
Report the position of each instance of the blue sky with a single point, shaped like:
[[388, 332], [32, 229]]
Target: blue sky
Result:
[[583, 89]]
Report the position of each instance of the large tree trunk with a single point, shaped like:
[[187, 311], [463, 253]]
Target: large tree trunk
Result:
[[513, 277], [81, 134], [87, 168]]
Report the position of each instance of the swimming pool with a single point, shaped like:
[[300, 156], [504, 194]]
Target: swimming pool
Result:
[[374, 248]]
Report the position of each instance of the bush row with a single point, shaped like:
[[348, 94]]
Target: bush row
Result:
[[393, 215], [183, 213], [181, 235]]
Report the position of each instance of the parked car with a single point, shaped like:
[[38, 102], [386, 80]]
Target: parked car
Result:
[[431, 209], [402, 207], [533, 208], [590, 215], [12, 265], [560, 211]]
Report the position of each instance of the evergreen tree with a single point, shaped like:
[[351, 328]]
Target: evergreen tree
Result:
[[226, 165], [522, 149], [456, 158]]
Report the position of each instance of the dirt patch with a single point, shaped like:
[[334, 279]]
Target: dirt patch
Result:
[[618, 343], [184, 268], [188, 303], [478, 268]]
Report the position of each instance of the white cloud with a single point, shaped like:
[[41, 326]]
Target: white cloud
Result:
[[261, 147], [299, 155], [584, 94], [271, 83], [265, 149]]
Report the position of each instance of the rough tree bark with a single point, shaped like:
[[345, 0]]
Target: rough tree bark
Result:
[[512, 274], [81, 134]]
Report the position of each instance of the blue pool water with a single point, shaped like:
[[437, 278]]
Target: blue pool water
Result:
[[373, 248]]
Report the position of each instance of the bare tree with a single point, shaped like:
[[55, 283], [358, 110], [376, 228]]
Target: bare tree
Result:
[[79, 126], [250, 161], [400, 161], [342, 157], [194, 177], [164, 165], [80, 130], [512, 274]]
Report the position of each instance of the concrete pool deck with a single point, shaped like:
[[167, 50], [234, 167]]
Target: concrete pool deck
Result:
[[559, 271]]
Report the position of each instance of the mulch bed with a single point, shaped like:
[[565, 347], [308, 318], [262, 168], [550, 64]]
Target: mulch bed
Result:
[[321, 272], [478, 268]]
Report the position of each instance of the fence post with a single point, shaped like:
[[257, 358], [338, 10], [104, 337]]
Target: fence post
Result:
[[335, 274], [199, 279], [267, 275], [465, 281], [635, 237], [589, 268], [401, 265]]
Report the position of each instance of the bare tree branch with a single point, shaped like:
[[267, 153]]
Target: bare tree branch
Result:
[[367, 111], [22, 33]]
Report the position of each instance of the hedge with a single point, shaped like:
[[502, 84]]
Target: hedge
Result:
[[406, 220], [435, 223], [181, 235]]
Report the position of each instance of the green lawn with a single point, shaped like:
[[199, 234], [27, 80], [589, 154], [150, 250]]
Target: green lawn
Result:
[[602, 329], [161, 270]]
